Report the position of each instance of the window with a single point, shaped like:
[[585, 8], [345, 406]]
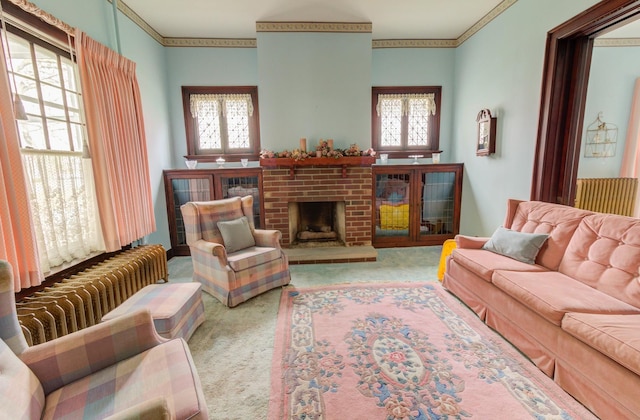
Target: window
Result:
[[221, 121], [405, 120], [61, 189]]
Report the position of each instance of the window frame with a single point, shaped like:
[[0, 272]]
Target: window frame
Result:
[[404, 151], [191, 129]]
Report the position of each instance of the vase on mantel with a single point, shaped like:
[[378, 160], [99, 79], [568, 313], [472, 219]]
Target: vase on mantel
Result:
[[318, 153]]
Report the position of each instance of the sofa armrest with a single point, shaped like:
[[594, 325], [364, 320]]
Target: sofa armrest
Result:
[[154, 409], [470, 242], [61, 361], [268, 237]]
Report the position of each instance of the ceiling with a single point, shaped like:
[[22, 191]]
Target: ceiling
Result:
[[399, 19]]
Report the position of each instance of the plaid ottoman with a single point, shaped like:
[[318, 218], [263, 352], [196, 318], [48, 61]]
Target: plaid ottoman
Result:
[[176, 308]]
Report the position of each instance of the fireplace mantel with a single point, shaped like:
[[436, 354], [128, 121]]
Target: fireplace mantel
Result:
[[343, 162]]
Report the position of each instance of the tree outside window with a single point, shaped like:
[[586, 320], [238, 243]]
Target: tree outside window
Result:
[[221, 122], [406, 120]]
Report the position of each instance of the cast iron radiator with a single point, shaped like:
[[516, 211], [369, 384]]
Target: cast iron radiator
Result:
[[607, 195], [81, 300]]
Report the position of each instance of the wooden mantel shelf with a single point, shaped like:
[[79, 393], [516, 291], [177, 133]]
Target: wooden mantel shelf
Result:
[[342, 162]]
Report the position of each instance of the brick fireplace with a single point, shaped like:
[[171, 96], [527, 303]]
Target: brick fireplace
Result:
[[307, 184]]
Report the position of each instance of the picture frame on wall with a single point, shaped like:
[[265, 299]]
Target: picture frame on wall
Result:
[[486, 141]]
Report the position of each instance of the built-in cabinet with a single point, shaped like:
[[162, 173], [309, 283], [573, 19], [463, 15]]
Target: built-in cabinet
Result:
[[184, 185], [416, 204]]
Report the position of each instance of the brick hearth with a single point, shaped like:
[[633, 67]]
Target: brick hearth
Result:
[[326, 183]]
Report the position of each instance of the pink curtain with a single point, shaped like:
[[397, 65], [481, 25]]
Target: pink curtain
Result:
[[17, 244], [631, 157], [117, 143]]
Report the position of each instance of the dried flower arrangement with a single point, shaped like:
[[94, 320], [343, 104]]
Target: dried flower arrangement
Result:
[[323, 149]]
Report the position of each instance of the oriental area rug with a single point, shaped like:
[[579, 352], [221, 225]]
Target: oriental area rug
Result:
[[400, 351]]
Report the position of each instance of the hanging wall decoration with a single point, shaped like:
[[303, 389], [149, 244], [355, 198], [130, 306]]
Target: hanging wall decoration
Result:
[[486, 142], [601, 139]]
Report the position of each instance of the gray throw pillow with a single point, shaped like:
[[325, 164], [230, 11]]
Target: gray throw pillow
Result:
[[520, 246], [236, 234]]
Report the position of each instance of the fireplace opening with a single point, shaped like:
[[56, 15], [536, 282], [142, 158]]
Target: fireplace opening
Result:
[[317, 224]]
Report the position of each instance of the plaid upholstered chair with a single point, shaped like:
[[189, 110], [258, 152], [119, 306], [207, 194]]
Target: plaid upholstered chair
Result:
[[232, 259], [120, 369]]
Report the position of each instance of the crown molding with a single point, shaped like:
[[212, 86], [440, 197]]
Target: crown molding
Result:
[[135, 18], [495, 12], [616, 42], [211, 42], [340, 27], [414, 43], [349, 27]]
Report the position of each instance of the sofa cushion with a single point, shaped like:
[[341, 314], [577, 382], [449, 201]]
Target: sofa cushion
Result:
[[236, 234], [483, 263], [520, 246], [604, 253], [616, 336], [556, 220], [551, 295], [252, 256], [162, 371], [21, 395]]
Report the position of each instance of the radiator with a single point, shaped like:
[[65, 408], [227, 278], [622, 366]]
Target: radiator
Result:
[[607, 195], [81, 300]]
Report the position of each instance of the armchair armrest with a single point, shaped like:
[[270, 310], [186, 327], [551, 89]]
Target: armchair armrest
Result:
[[154, 409], [470, 242], [205, 248], [61, 361], [268, 237]]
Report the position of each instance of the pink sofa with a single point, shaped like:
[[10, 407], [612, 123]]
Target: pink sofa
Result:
[[575, 312]]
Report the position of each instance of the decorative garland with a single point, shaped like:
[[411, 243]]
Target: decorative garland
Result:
[[323, 149]]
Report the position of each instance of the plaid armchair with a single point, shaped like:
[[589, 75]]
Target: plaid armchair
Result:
[[235, 264], [117, 369]]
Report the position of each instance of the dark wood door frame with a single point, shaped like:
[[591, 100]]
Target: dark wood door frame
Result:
[[564, 90]]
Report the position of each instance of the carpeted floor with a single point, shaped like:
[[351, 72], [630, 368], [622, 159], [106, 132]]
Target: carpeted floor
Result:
[[233, 348], [400, 350]]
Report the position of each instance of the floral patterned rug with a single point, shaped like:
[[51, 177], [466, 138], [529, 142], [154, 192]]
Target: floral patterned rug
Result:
[[400, 351]]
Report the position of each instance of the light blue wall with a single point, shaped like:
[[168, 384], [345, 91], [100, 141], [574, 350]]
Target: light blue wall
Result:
[[611, 82], [500, 68], [95, 17], [420, 67], [314, 86], [204, 67]]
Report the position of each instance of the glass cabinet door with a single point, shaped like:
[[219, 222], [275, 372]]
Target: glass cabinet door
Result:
[[437, 203], [392, 205], [185, 190], [240, 186]]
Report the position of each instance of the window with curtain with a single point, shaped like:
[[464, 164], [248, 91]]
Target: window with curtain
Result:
[[405, 120], [44, 80], [221, 121]]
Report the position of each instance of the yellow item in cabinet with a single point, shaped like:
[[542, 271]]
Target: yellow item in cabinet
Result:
[[394, 217], [447, 248]]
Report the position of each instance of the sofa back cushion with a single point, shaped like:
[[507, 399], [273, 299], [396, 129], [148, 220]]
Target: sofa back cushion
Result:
[[604, 253], [21, 395], [556, 220]]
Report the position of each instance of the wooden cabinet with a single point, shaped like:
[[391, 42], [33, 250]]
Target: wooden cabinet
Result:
[[184, 185], [416, 204]]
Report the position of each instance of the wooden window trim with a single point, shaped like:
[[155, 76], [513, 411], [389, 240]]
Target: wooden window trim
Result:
[[254, 123], [434, 124]]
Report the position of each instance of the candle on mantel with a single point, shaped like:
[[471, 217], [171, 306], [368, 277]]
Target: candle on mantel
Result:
[[303, 144], [330, 142]]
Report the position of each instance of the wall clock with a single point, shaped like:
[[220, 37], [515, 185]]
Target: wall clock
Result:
[[486, 143]]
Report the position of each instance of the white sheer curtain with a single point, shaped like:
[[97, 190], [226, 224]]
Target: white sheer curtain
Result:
[[65, 213], [631, 157]]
